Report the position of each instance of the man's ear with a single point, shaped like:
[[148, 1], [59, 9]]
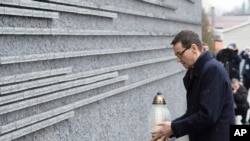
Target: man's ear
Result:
[[194, 47]]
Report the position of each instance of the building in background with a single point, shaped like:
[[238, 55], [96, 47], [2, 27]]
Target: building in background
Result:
[[234, 29], [230, 26]]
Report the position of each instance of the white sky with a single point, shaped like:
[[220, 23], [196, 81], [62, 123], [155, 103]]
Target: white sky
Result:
[[226, 5]]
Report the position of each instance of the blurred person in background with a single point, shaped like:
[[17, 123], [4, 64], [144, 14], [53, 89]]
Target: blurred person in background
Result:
[[205, 46], [231, 60], [245, 54], [240, 98]]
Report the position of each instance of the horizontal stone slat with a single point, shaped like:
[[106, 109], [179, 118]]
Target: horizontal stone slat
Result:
[[35, 127], [35, 118], [75, 32], [60, 55], [11, 2], [160, 3], [39, 100], [76, 3], [61, 8], [28, 13], [33, 75], [53, 88]]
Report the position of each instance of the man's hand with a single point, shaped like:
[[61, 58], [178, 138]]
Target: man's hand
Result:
[[163, 132]]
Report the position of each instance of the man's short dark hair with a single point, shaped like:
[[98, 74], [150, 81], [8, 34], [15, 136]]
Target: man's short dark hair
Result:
[[187, 38]]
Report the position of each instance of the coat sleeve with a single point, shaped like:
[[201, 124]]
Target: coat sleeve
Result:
[[214, 89]]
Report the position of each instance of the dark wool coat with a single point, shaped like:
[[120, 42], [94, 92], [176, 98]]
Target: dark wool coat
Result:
[[210, 109]]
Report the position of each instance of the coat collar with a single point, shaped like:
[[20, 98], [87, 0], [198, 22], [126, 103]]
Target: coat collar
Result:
[[199, 64]]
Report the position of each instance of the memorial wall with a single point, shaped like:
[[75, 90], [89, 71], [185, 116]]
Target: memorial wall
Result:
[[87, 70]]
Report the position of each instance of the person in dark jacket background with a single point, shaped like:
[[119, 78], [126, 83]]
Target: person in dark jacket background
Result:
[[240, 98], [245, 54], [231, 60], [210, 108]]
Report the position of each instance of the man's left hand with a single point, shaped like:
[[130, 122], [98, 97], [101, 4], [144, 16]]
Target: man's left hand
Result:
[[164, 131]]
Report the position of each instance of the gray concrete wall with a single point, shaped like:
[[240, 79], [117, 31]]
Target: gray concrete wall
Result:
[[87, 70]]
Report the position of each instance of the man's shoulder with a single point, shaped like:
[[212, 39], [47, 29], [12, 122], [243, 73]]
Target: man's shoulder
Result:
[[215, 66], [213, 63]]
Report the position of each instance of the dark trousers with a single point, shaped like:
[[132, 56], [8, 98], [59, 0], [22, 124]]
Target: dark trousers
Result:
[[243, 113]]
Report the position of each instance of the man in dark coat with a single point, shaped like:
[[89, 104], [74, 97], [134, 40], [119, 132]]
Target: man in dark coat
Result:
[[210, 109]]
